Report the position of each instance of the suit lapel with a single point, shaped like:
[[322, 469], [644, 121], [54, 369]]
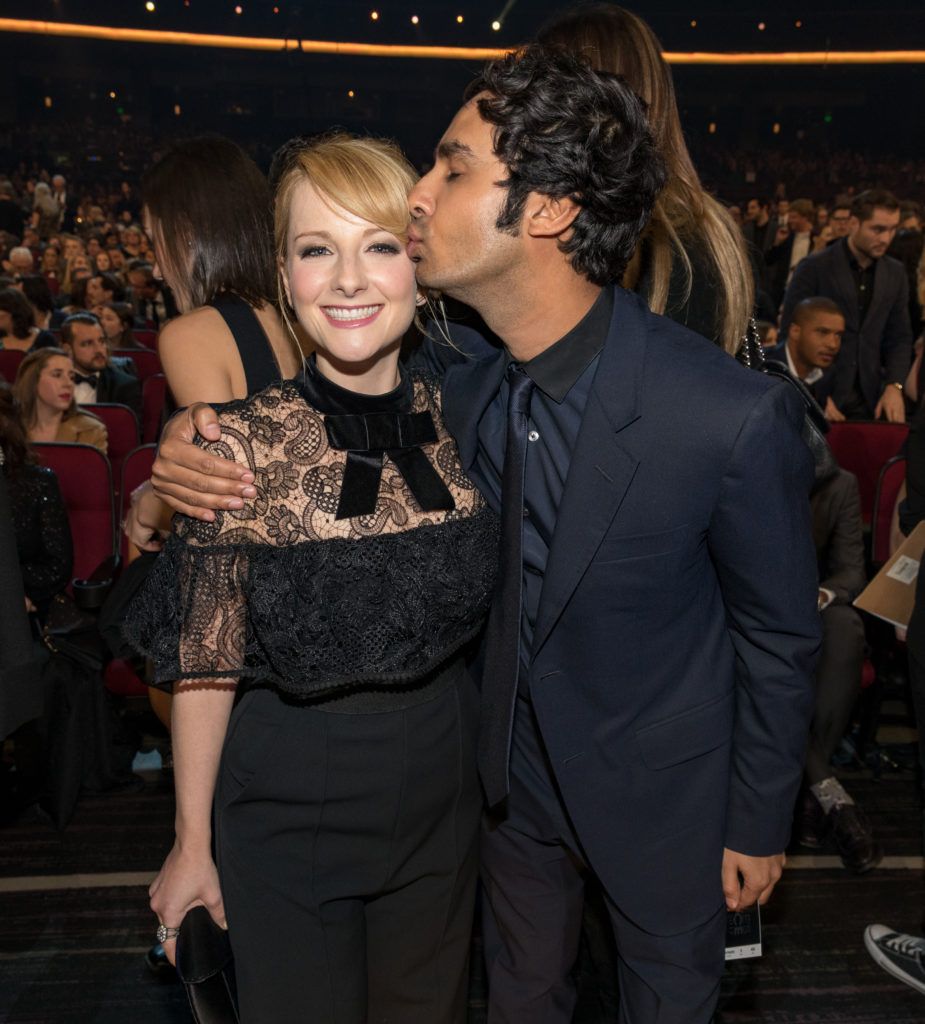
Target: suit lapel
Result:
[[602, 468], [468, 388]]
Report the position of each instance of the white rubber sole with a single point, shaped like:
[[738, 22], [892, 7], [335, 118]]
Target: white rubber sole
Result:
[[887, 964]]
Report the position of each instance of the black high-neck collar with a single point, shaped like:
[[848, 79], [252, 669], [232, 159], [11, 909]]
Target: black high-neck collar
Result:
[[331, 399]]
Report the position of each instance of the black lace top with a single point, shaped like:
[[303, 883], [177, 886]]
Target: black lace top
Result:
[[284, 592], [43, 534]]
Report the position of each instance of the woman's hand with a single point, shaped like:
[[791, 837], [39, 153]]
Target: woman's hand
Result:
[[142, 524], [187, 879], [191, 480]]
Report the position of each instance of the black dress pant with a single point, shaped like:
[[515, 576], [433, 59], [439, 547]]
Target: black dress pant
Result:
[[533, 874], [838, 686], [347, 852]]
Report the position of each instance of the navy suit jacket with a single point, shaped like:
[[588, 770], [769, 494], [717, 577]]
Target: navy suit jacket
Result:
[[677, 631], [879, 350]]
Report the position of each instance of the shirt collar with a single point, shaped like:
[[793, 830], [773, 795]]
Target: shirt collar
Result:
[[556, 369], [814, 374], [853, 263]]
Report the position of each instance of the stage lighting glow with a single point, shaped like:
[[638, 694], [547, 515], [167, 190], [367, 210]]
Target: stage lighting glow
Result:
[[711, 127], [415, 19], [112, 94], [149, 6], [239, 9], [694, 23], [761, 26], [792, 58], [176, 109], [459, 19], [775, 128], [351, 93], [798, 24], [374, 15], [47, 101]]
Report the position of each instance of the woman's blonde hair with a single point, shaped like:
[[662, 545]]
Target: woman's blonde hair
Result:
[[613, 39], [26, 386], [370, 178]]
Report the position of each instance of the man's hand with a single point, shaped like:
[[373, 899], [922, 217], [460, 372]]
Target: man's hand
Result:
[[832, 413], [749, 879], [30, 607], [891, 405], [783, 233], [190, 480]]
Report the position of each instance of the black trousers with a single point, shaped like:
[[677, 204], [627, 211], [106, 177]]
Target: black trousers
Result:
[[533, 874], [347, 852], [838, 685], [917, 688]]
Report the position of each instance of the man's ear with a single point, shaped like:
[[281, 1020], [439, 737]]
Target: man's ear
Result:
[[546, 217]]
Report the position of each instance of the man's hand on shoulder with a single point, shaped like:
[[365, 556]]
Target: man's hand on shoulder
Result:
[[189, 479], [747, 880]]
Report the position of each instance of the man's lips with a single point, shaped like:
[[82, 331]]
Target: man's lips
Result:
[[415, 243]]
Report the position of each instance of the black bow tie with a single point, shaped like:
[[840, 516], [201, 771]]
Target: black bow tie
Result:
[[366, 438], [93, 379]]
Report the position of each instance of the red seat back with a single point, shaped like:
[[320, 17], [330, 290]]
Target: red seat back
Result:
[[136, 468], [153, 396], [146, 363], [122, 428], [892, 477], [146, 338], [10, 358], [85, 480], [864, 448]]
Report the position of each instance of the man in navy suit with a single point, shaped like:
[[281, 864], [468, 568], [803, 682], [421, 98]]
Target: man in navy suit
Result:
[[646, 720]]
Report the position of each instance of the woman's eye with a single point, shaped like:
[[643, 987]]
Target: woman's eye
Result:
[[452, 175], [313, 250], [385, 247]]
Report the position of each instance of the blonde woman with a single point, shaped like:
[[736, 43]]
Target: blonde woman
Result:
[[44, 389], [339, 603], [691, 263]]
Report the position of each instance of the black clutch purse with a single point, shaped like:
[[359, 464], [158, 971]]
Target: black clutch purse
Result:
[[206, 967]]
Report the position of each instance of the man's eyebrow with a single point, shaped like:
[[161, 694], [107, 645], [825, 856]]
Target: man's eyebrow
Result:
[[453, 147]]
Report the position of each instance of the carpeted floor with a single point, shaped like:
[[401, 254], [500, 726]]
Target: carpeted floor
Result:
[[75, 923]]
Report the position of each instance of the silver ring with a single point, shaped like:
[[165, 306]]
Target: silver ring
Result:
[[164, 933]]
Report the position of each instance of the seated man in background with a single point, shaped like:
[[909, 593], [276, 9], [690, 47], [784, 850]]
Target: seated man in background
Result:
[[812, 343], [96, 378], [827, 808]]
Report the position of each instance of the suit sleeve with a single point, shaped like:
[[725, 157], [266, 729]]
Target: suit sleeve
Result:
[[760, 539], [130, 394], [803, 285], [897, 338]]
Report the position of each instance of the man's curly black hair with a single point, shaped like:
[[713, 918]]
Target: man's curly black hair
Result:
[[563, 130]]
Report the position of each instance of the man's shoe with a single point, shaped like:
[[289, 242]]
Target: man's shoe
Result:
[[157, 961], [854, 838], [812, 823], [901, 955]]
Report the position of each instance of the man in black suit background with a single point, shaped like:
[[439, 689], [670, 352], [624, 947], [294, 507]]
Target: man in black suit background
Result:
[[866, 381], [97, 380]]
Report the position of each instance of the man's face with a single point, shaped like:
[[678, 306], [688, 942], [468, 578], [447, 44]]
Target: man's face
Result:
[[798, 223], [88, 348], [873, 237], [21, 262], [840, 221], [753, 209], [72, 248], [818, 339], [97, 292], [454, 209], [783, 208], [140, 284]]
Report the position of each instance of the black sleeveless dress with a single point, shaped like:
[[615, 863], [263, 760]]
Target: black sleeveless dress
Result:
[[260, 366]]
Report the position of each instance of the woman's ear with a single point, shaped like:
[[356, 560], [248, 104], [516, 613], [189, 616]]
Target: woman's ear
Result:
[[283, 280], [421, 299]]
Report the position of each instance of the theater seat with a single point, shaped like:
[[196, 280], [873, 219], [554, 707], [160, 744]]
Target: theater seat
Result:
[[892, 477], [85, 479], [146, 363], [10, 358], [146, 337], [153, 397], [122, 428], [864, 448]]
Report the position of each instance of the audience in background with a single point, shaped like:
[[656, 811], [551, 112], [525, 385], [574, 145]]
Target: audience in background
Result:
[[44, 313], [870, 288], [44, 389], [793, 242], [117, 320], [17, 322], [95, 379]]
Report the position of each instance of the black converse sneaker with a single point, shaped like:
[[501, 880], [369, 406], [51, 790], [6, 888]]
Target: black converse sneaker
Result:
[[901, 955]]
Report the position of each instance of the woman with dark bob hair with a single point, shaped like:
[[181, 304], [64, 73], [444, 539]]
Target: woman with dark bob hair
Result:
[[207, 209], [17, 321]]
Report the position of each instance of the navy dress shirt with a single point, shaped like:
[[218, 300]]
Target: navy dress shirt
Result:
[[563, 374]]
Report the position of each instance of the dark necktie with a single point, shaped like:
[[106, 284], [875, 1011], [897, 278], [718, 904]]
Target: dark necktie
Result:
[[502, 640]]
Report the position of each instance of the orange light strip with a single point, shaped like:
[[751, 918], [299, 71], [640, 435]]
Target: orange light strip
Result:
[[141, 35]]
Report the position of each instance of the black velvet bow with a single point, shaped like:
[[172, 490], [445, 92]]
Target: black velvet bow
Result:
[[93, 379], [366, 439]]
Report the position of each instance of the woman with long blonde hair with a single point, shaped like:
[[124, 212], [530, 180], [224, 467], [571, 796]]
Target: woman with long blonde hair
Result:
[[691, 263]]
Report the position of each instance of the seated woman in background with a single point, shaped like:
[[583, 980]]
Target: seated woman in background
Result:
[[37, 293], [117, 320], [17, 327], [103, 263], [40, 523], [45, 391]]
